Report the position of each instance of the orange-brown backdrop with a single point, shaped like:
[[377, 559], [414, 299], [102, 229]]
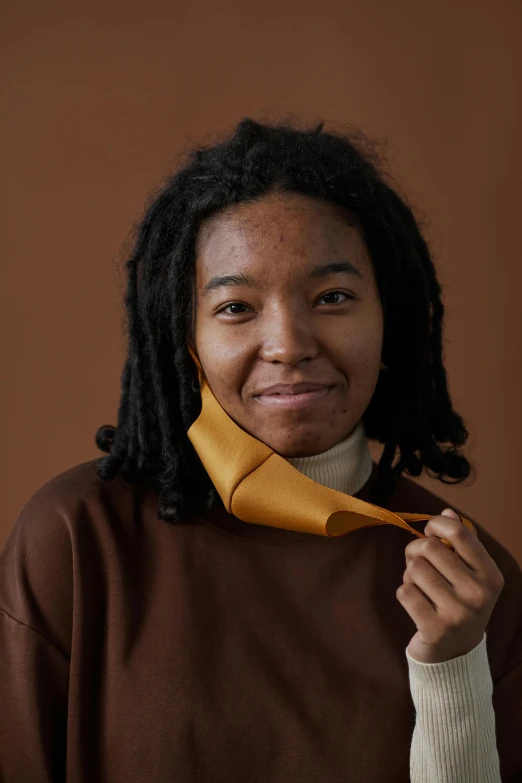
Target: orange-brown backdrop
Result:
[[98, 100]]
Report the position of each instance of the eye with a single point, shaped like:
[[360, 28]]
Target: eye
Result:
[[336, 294], [238, 308], [234, 312]]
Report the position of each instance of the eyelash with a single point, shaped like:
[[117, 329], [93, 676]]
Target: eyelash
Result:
[[328, 293]]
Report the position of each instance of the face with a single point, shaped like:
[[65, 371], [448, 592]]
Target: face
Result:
[[285, 296]]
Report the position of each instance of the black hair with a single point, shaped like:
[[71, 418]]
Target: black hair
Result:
[[411, 412]]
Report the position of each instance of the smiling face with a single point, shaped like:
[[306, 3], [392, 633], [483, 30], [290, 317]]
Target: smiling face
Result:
[[286, 294]]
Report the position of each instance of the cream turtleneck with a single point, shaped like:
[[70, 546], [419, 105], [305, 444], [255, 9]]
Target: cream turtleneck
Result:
[[454, 736], [346, 467]]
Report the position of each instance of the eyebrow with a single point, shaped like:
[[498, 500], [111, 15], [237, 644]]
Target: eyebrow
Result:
[[318, 271]]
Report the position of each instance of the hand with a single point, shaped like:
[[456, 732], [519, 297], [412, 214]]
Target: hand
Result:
[[448, 594]]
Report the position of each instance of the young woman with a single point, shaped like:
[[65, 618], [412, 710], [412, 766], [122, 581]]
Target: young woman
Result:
[[218, 599]]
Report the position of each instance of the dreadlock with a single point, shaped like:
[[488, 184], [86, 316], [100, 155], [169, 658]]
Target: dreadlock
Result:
[[410, 412]]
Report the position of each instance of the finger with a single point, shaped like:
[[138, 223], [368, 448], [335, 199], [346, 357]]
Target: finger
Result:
[[465, 543], [435, 587], [418, 606], [444, 560], [448, 512]]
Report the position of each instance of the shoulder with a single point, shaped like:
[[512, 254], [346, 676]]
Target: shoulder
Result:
[[73, 489], [65, 507], [71, 499], [57, 530]]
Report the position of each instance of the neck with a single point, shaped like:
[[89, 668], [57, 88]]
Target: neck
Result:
[[346, 467]]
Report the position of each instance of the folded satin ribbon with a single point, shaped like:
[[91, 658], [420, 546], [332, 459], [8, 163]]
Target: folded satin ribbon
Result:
[[259, 486]]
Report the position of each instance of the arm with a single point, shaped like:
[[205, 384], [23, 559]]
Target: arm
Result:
[[454, 595], [454, 736], [33, 696], [35, 643]]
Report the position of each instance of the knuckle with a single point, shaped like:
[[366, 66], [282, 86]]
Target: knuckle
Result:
[[477, 599], [462, 535], [417, 565], [429, 544], [475, 594], [406, 590]]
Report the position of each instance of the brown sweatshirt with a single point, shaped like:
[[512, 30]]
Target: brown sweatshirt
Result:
[[216, 651]]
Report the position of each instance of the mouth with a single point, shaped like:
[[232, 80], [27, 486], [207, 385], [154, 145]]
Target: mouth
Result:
[[302, 400]]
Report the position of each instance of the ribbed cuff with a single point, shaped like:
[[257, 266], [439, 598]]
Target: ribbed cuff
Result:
[[454, 737]]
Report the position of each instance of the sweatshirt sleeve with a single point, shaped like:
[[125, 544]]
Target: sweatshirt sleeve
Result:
[[35, 643], [454, 737], [33, 693]]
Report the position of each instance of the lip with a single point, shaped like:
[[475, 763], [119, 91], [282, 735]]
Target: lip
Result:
[[299, 400], [294, 388]]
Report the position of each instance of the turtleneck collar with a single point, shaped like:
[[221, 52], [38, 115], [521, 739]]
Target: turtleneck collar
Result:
[[346, 467]]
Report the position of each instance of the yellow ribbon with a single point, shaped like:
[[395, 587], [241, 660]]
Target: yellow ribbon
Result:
[[259, 486]]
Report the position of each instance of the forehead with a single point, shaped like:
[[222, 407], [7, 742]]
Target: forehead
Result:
[[277, 232]]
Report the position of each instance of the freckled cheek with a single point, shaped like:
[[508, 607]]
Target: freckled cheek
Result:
[[223, 368], [363, 354]]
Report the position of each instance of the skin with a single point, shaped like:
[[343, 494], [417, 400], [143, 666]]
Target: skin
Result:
[[285, 327], [449, 593], [283, 331]]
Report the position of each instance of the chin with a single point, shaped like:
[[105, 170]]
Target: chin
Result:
[[308, 443], [302, 448]]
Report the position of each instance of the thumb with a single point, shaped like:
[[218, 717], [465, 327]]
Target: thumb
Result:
[[448, 512]]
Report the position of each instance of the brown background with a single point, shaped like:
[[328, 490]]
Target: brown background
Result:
[[99, 101]]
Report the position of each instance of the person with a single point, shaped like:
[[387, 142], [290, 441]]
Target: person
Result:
[[148, 632]]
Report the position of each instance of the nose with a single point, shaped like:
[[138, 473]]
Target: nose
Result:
[[288, 338]]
